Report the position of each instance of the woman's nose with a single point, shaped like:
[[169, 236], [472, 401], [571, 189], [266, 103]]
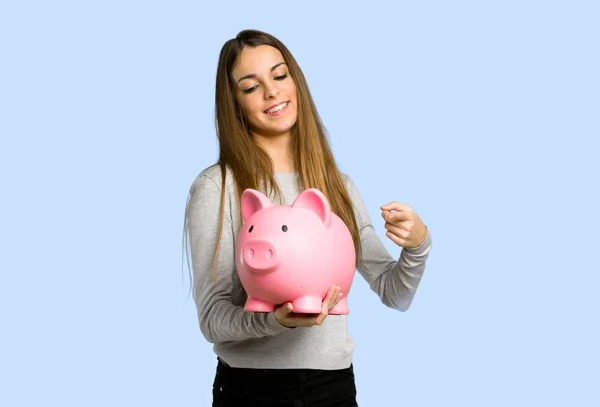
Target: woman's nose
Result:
[[271, 91]]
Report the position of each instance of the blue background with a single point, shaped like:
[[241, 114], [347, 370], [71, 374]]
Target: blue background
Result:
[[481, 115]]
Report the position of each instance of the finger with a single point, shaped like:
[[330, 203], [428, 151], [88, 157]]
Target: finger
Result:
[[334, 298], [330, 293], [328, 297], [288, 308], [396, 206], [321, 317], [394, 238], [399, 231], [398, 216], [338, 297], [334, 301], [312, 319], [285, 310]]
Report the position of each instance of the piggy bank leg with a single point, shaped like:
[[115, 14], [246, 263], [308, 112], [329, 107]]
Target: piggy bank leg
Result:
[[256, 305], [308, 305], [341, 308]]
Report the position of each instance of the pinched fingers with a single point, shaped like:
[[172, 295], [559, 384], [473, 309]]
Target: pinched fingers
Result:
[[396, 206], [399, 217]]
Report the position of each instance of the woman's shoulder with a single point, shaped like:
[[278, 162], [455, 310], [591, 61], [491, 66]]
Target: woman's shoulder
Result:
[[210, 178], [212, 172], [356, 198], [350, 185]]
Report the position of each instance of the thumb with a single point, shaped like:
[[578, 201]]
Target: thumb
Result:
[[395, 206], [286, 309]]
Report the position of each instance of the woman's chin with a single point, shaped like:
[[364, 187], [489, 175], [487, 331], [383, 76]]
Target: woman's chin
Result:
[[279, 131]]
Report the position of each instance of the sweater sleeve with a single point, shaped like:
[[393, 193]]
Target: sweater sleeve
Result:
[[219, 318], [395, 281]]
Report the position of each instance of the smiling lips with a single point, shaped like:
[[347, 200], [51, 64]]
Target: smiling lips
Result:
[[277, 110]]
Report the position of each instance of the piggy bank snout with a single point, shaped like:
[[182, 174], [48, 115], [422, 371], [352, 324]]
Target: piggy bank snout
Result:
[[260, 255]]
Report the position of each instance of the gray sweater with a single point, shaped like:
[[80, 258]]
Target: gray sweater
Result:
[[257, 340]]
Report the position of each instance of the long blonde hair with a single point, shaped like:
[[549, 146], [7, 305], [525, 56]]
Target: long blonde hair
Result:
[[250, 165]]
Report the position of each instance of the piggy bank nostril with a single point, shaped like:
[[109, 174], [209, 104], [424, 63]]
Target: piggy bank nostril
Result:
[[269, 254], [251, 253]]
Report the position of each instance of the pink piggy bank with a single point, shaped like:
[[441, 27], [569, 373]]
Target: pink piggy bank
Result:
[[293, 253]]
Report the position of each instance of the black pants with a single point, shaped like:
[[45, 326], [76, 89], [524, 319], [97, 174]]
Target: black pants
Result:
[[283, 387]]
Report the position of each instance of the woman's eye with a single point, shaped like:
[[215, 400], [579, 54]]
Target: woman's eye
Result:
[[250, 90], [281, 77]]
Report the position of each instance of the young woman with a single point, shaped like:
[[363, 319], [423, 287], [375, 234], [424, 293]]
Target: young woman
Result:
[[271, 139]]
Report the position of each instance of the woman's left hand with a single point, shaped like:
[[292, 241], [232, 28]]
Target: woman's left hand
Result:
[[404, 226]]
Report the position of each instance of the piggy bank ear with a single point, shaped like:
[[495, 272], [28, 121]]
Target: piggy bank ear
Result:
[[252, 202], [314, 200]]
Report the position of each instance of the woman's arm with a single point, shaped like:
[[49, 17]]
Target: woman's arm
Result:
[[220, 320], [394, 281]]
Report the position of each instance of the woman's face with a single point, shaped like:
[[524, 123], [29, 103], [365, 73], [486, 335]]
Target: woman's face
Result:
[[265, 91]]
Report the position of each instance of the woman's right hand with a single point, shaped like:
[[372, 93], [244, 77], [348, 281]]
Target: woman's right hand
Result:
[[286, 316]]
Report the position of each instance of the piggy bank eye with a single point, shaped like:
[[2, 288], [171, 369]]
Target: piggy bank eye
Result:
[[284, 228], [251, 228]]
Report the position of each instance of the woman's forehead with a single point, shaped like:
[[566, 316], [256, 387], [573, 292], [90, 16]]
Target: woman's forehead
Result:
[[257, 61]]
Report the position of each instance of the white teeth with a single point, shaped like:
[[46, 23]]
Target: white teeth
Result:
[[277, 108]]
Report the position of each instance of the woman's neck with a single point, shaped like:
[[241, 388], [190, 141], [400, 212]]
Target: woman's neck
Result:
[[279, 148]]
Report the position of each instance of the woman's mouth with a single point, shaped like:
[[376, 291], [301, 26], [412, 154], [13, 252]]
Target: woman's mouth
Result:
[[277, 110]]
